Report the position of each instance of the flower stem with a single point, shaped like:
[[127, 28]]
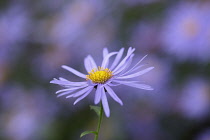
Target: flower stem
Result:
[[99, 122]]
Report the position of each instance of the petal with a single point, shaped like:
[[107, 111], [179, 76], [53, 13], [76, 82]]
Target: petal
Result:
[[124, 60], [133, 70], [124, 66], [65, 93], [134, 84], [79, 93], [87, 65], [117, 59], [105, 52], [90, 63], [126, 82], [69, 89], [59, 82], [113, 95], [112, 84], [73, 83], [135, 66], [74, 71], [136, 74], [106, 59], [65, 82], [105, 104], [98, 94], [130, 50], [83, 96]]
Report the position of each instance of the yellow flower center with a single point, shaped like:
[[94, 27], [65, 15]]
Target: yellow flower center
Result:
[[99, 75]]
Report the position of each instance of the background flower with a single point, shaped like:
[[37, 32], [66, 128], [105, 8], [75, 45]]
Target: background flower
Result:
[[186, 31]]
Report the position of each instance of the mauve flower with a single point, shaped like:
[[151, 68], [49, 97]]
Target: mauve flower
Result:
[[103, 78], [186, 33]]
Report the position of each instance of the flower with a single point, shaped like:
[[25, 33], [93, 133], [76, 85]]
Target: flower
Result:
[[103, 78], [186, 28]]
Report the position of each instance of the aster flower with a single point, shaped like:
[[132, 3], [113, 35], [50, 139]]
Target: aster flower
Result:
[[186, 27], [103, 77]]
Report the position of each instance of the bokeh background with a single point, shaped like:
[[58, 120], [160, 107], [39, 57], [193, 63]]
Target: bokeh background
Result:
[[37, 37]]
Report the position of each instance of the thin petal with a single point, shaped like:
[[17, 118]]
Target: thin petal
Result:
[[98, 94], [105, 52], [69, 89], [63, 79], [125, 69], [124, 60], [117, 59], [126, 82], [90, 63], [112, 84], [136, 85], [73, 83], [106, 59], [65, 93], [132, 69], [136, 74], [74, 71], [83, 96], [67, 83], [79, 93], [113, 95], [87, 65], [124, 66], [105, 104], [130, 50]]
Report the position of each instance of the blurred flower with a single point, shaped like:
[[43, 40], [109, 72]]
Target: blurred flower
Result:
[[194, 102], [47, 61], [80, 25], [13, 30], [186, 33], [103, 77], [145, 36], [13, 26], [25, 113], [77, 22]]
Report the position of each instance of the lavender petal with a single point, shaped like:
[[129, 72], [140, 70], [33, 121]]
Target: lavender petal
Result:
[[74, 71], [105, 104], [83, 96], [79, 93], [136, 74], [98, 94], [117, 59], [105, 61], [113, 95]]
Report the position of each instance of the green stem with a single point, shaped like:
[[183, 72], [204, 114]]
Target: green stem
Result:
[[99, 122]]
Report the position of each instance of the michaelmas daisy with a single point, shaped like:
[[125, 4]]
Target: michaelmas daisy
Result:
[[103, 77]]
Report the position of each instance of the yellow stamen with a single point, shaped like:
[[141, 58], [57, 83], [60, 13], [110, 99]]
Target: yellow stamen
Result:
[[99, 75]]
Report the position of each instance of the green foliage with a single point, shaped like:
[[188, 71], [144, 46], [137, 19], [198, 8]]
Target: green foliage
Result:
[[96, 109], [88, 132]]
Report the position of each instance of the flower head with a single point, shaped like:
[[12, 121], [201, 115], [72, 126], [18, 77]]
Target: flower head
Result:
[[99, 75], [103, 78], [187, 27]]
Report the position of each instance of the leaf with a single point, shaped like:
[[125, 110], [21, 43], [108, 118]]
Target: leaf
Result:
[[88, 132], [96, 109]]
